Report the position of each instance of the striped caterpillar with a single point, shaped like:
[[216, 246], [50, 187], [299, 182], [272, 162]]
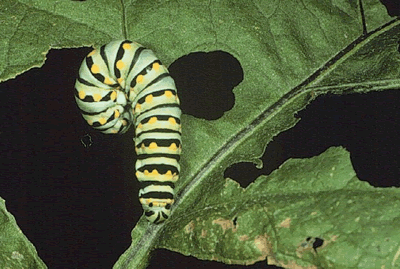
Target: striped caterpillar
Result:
[[123, 84]]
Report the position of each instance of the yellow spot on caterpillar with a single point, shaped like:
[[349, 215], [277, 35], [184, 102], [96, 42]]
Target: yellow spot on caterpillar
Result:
[[153, 120], [91, 53], [162, 204], [153, 145], [120, 64], [149, 98], [124, 123], [96, 97], [168, 174], [95, 69], [156, 66], [139, 79], [114, 131], [173, 147], [90, 122], [168, 94], [143, 146], [138, 107], [81, 94], [137, 173], [167, 201], [140, 126], [116, 114], [107, 81], [120, 80], [102, 121], [113, 95], [155, 172], [146, 172], [126, 46], [172, 120]]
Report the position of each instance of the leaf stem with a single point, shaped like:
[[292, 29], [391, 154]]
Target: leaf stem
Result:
[[364, 25]]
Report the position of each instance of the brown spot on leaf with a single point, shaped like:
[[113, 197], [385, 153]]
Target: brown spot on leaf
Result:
[[243, 237], [189, 227], [285, 223], [305, 246], [334, 238], [263, 243], [225, 224], [203, 233], [264, 246]]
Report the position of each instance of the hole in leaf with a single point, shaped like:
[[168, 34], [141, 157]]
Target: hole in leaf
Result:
[[245, 172], [205, 82], [317, 243], [234, 221], [367, 125], [392, 7], [312, 242], [55, 179]]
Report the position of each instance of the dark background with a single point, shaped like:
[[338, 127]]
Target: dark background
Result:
[[73, 190]]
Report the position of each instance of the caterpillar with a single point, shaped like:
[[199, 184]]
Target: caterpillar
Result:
[[122, 84]]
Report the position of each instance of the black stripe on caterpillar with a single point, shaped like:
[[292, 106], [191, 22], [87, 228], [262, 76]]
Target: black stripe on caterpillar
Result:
[[123, 84]]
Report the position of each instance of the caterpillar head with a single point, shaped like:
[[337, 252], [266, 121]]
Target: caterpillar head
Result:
[[156, 211]]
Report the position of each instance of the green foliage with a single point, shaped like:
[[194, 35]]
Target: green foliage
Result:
[[322, 198], [15, 249], [290, 53]]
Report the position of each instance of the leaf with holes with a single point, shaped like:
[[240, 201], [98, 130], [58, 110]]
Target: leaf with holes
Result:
[[307, 213]]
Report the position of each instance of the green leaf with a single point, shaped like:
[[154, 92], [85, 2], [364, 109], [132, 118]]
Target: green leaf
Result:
[[15, 249], [290, 52], [272, 218]]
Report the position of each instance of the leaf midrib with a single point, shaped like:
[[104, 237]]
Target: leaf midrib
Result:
[[147, 240], [283, 101]]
